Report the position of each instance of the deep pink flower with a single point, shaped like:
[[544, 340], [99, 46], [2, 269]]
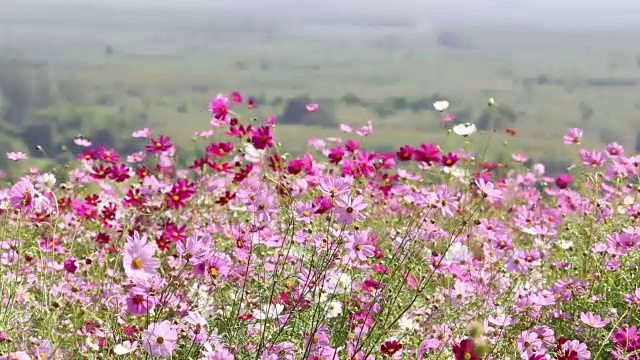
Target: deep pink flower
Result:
[[563, 181], [71, 265], [262, 137]]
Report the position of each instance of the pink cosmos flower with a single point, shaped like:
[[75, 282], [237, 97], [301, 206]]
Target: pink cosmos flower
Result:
[[136, 157], [82, 142], [489, 190], [18, 355], [143, 133], [159, 339], [24, 195], [346, 128], [521, 158], [16, 155], [366, 130], [358, 246], [591, 158], [614, 150], [581, 350], [348, 209], [448, 118], [529, 343], [334, 186], [138, 257], [574, 136], [312, 107], [593, 320]]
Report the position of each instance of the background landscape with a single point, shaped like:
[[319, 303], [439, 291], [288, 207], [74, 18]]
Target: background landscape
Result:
[[104, 69]]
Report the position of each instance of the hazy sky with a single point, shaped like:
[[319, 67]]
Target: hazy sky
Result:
[[586, 12]]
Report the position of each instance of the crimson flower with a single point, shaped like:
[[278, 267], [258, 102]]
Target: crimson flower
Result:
[[465, 350]]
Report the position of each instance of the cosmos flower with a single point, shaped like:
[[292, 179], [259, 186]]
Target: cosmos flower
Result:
[[349, 209], [465, 129], [441, 105], [138, 257], [159, 339]]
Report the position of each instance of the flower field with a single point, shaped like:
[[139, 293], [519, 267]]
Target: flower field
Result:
[[338, 253]]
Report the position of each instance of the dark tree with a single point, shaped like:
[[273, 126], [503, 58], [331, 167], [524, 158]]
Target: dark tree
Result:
[[296, 112]]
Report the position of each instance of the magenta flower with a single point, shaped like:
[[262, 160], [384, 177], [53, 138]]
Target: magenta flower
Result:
[[159, 339], [593, 320], [138, 257], [219, 106], [348, 209], [71, 265], [262, 137], [563, 181]]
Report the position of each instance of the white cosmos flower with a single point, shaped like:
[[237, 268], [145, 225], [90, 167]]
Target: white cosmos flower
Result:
[[456, 172], [565, 244], [407, 323], [334, 309], [465, 129], [492, 102], [441, 105], [252, 154], [456, 252], [270, 311], [126, 347]]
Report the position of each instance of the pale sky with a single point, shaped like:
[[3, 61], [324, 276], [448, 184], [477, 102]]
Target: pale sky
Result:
[[584, 12]]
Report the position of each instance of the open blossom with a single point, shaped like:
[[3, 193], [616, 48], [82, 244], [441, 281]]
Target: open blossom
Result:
[[143, 133], [489, 190], [159, 339], [126, 347], [358, 247], [349, 209], [441, 105], [574, 136], [591, 158], [366, 130], [138, 257], [17, 155], [24, 196], [593, 320]]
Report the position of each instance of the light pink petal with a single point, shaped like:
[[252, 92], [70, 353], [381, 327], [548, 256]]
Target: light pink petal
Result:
[[346, 128]]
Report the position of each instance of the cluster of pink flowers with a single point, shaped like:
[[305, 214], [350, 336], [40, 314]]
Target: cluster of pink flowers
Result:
[[337, 252]]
